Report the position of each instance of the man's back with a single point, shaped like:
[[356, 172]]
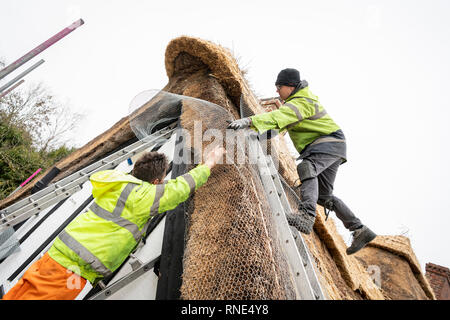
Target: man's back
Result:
[[100, 239]]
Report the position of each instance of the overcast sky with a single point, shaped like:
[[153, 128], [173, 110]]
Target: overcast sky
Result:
[[380, 68]]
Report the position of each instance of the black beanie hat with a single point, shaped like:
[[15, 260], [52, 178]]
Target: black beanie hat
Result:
[[288, 77]]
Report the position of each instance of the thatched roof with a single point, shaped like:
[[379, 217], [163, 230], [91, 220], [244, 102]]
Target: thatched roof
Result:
[[205, 70]]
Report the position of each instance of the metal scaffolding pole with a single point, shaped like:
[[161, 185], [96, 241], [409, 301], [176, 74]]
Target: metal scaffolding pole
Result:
[[13, 66], [20, 76], [12, 88]]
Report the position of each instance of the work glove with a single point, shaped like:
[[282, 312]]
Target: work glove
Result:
[[240, 123]]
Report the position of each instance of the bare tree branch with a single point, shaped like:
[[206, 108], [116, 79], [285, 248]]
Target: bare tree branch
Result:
[[37, 112]]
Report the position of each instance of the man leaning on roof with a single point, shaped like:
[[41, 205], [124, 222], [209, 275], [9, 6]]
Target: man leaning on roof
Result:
[[322, 147], [98, 241]]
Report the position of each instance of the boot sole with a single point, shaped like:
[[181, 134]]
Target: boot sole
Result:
[[300, 226]]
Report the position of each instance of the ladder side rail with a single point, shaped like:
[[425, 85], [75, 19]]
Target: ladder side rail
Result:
[[63, 192], [307, 262], [302, 247], [82, 175], [301, 281], [14, 218], [125, 280]]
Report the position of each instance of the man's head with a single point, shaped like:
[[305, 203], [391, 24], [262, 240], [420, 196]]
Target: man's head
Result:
[[287, 80], [151, 167]]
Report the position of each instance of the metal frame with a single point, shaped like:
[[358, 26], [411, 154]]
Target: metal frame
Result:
[[64, 188], [20, 76], [173, 242], [124, 281], [306, 283], [4, 93], [135, 148], [305, 279], [307, 263]]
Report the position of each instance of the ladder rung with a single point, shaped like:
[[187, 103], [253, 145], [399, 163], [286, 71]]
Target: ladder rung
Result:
[[271, 183], [13, 219], [59, 189], [307, 272]]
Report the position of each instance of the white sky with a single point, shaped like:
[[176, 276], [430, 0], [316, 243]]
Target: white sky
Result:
[[380, 68]]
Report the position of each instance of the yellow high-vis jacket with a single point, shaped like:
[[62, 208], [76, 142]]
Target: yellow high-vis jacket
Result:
[[302, 115], [99, 240]]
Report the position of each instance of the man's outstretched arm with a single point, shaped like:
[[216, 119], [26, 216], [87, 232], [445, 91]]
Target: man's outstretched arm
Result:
[[277, 119], [176, 191]]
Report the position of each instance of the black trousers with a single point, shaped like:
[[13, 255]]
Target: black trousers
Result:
[[318, 188]]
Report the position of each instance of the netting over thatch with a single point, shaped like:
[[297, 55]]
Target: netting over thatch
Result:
[[233, 249]]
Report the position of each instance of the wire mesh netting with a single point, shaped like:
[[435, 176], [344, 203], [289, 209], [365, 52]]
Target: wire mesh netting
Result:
[[232, 246]]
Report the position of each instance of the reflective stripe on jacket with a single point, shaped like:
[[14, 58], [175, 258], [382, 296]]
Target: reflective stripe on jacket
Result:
[[301, 115], [97, 242]]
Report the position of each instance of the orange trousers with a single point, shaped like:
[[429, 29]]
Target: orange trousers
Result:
[[47, 280]]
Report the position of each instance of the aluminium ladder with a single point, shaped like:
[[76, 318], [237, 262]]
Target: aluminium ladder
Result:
[[305, 278], [162, 142], [34, 204]]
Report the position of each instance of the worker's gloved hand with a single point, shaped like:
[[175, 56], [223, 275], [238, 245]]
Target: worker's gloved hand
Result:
[[240, 123]]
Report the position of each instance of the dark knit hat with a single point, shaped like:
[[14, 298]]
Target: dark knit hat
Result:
[[288, 77]]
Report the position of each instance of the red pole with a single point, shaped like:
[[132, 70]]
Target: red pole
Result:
[[26, 181], [16, 64]]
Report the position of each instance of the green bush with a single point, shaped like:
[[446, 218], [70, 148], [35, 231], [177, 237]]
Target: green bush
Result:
[[19, 160]]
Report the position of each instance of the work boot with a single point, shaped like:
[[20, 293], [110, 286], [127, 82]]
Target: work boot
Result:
[[361, 237], [303, 221]]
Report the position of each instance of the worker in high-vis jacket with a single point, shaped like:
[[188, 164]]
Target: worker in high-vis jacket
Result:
[[99, 240], [322, 147]]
